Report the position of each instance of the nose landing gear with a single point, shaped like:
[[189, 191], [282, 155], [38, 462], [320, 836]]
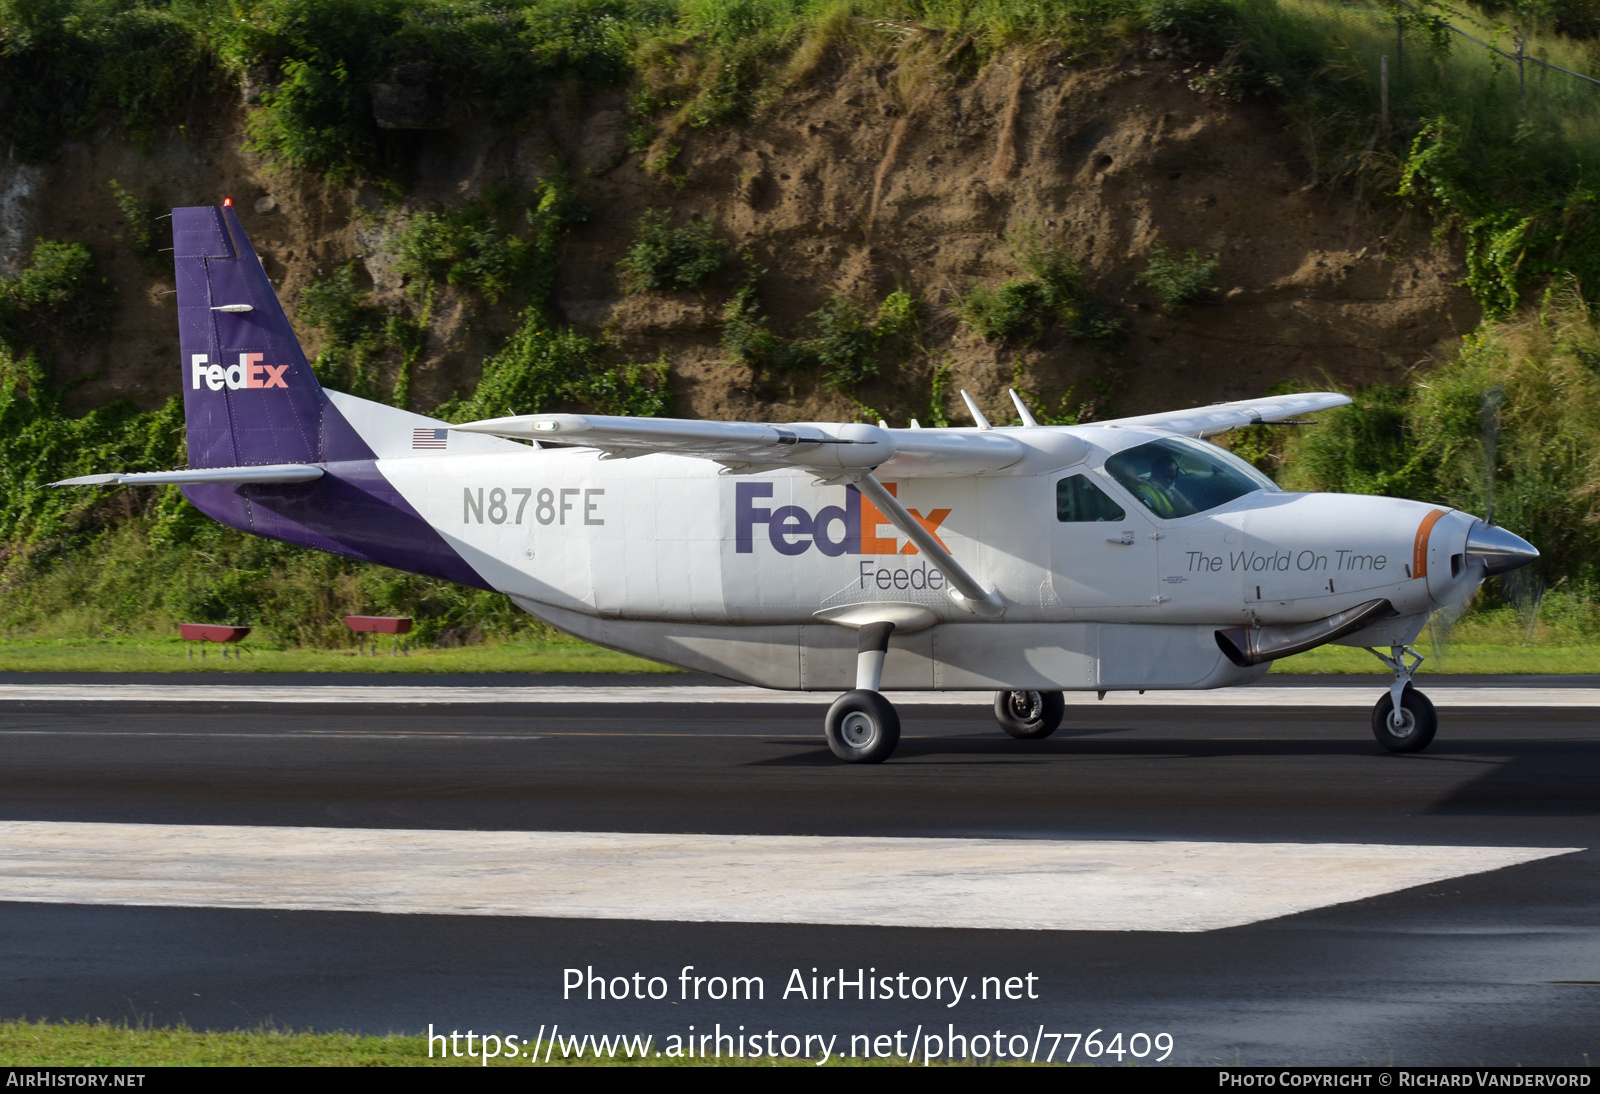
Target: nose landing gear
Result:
[[1404, 719]]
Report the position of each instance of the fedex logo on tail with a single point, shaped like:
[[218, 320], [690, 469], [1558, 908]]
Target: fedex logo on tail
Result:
[[850, 529], [248, 373]]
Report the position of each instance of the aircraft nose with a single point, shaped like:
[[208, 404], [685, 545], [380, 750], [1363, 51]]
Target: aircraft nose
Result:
[[1500, 551]]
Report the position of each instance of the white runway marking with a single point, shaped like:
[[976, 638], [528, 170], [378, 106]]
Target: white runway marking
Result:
[[985, 883], [602, 697]]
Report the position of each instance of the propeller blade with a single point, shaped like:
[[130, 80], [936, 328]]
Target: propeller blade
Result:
[[1493, 399]]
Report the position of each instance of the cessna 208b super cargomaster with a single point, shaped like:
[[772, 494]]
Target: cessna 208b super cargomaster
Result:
[[1029, 561]]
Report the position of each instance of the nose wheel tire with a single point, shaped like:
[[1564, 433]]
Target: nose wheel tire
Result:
[[1417, 722], [1029, 715], [862, 727]]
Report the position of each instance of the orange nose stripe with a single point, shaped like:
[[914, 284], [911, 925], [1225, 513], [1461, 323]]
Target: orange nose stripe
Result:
[[1419, 551]]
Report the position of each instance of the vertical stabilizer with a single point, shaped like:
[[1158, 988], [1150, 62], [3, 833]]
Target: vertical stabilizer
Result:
[[249, 394]]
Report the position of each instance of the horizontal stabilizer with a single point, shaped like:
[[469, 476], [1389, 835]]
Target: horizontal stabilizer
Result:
[[1209, 421], [828, 448], [275, 472]]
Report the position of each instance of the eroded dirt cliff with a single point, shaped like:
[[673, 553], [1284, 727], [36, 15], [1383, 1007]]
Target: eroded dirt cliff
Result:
[[864, 178]]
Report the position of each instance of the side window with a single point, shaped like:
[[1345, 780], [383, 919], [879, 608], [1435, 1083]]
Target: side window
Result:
[[1078, 500]]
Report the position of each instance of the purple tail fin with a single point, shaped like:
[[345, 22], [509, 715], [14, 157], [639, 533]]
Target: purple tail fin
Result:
[[249, 396]]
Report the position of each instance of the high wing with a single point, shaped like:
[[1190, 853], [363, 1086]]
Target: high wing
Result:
[[1209, 421], [829, 449]]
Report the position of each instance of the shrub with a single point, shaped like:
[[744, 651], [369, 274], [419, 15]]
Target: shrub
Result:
[[747, 340], [70, 66], [1426, 442], [140, 217], [543, 368], [664, 257], [1177, 280], [463, 249], [503, 244], [355, 329], [850, 344], [55, 300], [1053, 294]]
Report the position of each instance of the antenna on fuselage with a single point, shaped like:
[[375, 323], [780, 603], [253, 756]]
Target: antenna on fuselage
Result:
[[1022, 408], [977, 415]]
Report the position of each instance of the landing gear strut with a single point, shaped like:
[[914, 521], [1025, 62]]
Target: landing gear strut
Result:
[[1403, 720], [862, 726], [1029, 715]]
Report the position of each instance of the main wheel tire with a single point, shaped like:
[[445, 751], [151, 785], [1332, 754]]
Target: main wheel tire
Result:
[[1029, 715], [1418, 722], [862, 727]]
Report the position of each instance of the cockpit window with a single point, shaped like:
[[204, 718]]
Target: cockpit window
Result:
[[1078, 500], [1178, 477]]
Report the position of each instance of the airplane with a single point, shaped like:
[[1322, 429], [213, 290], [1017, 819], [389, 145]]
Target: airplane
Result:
[[1029, 561]]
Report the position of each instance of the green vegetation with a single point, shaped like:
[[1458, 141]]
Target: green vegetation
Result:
[[136, 577], [504, 246], [58, 299], [1177, 280], [542, 369], [664, 257], [141, 218], [55, 299], [850, 346], [1504, 157], [1426, 441], [1051, 295], [110, 564], [99, 1044], [167, 654], [748, 341], [67, 67], [357, 333], [1555, 635]]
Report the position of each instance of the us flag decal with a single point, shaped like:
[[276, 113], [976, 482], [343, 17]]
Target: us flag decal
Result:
[[429, 438]]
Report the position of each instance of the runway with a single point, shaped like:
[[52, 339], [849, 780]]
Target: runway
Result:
[[1257, 879]]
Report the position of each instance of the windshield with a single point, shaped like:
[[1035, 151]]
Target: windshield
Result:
[[1178, 477]]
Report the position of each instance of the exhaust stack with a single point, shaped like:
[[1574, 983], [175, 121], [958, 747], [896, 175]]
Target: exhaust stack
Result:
[[1246, 646]]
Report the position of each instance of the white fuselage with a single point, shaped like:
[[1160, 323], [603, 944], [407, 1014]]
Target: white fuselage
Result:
[[664, 556]]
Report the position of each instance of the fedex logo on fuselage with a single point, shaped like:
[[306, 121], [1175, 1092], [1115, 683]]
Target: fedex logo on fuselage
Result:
[[248, 373], [850, 529]]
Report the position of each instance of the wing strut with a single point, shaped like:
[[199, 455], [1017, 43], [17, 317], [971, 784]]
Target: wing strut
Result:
[[964, 589]]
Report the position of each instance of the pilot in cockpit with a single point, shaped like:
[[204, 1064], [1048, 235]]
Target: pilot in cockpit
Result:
[[1156, 490]]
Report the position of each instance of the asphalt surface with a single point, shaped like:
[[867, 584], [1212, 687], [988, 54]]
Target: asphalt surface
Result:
[[1496, 968]]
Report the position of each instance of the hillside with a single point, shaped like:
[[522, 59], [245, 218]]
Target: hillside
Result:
[[860, 181]]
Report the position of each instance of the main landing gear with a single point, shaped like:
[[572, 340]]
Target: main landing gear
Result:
[[862, 726], [1029, 715], [1403, 720]]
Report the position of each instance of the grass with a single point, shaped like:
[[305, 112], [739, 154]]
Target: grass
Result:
[[83, 1044], [99, 1044], [155, 655], [1551, 654], [1453, 658]]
